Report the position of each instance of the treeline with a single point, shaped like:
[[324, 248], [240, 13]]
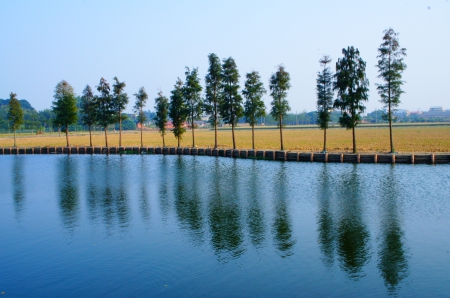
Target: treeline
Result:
[[224, 102]]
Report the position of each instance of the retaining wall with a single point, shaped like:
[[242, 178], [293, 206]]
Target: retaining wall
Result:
[[237, 153]]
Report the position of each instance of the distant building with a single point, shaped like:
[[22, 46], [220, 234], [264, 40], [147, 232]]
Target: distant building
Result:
[[436, 109], [401, 113], [436, 112]]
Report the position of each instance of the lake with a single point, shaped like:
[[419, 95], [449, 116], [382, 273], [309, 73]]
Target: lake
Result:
[[195, 226]]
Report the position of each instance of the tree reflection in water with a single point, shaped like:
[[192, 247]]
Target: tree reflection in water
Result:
[[326, 232], [392, 258], [68, 191], [188, 203], [352, 233], [255, 214], [18, 186], [108, 193], [164, 200], [225, 213], [144, 205], [282, 226]]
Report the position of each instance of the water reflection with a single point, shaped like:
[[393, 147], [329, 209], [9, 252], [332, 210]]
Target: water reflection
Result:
[[255, 214], [18, 186], [144, 205], [188, 203], [225, 213], [107, 195], [392, 258], [352, 233], [68, 191], [164, 174], [282, 226], [326, 233]]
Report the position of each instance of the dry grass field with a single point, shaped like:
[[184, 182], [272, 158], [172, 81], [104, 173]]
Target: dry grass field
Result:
[[406, 139]]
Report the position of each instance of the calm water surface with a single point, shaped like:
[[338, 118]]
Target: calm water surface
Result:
[[180, 226]]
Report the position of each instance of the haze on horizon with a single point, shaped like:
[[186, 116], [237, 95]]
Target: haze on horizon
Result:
[[149, 43]]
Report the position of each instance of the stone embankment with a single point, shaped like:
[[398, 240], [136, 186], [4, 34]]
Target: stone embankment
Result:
[[241, 153]]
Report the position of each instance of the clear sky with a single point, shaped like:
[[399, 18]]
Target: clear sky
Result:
[[149, 43]]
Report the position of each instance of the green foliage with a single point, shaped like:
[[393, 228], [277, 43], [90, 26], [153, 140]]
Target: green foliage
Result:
[[88, 107], [162, 110], [141, 99], [351, 85], [128, 124], [106, 108], [231, 105], [191, 93], [390, 68], [178, 111], [324, 93], [213, 82], [120, 98], [64, 106], [279, 85], [253, 92], [15, 113]]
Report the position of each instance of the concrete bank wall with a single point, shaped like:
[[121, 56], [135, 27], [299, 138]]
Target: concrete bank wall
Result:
[[254, 154]]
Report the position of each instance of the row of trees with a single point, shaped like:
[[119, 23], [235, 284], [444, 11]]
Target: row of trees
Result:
[[223, 102], [351, 85]]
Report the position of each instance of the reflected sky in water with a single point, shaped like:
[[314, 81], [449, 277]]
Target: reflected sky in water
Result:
[[192, 226]]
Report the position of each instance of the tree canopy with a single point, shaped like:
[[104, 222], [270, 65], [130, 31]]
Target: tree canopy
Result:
[[178, 110], [141, 99], [191, 93], [325, 95], [64, 107], [15, 114], [254, 106], [162, 110], [213, 81], [88, 110]]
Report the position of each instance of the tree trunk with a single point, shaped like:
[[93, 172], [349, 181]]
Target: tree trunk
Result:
[[253, 136], [232, 131], [281, 132], [67, 135], [106, 136], [354, 139], [164, 143], [14, 137], [120, 128], [325, 140], [390, 130], [192, 127], [178, 141], [215, 122], [90, 135], [142, 142]]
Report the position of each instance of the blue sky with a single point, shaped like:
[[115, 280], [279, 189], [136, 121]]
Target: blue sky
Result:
[[149, 43]]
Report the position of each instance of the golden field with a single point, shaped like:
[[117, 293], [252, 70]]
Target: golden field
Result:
[[374, 139]]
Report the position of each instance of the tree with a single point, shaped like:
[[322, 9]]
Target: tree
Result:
[[88, 110], [352, 88], [325, 94], [15, 113], [212, 101], [191, 93], [231, 105], [141, 98], [254, 106], [105, 107], [162, 110], [390, 68], [178, 110], [120, 102], [65, 107], [279, 85]]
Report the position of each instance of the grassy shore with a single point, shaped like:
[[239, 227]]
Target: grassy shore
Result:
[[369, 140]]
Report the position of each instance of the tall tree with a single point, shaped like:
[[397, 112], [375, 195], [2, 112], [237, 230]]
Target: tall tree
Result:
[[120, 102], [352, 88], [254, 106], [64, 107], [178, 111], [191, 93], [212, 101], [105, 107], [88, 110], [279, 85], [141, 99], [15, 113], [231, 105], [325, 95], [390, 68], [162, 110]]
